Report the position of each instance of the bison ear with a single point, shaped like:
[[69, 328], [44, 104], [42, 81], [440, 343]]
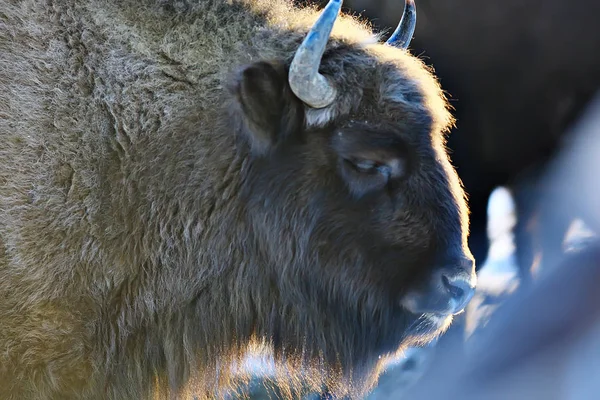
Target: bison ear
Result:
[[268, 111]]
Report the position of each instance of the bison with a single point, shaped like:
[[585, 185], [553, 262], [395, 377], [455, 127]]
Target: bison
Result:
[[180, 180]]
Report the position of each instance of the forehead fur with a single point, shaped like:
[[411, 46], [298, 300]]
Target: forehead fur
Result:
[[376, 79], [356, 60]]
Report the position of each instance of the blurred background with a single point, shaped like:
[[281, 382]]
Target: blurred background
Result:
[[523, 78]]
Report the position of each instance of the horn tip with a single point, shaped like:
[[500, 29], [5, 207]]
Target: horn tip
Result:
[[404, 31]]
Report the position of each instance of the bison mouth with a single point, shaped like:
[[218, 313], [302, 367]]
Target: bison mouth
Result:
[[426, 327]]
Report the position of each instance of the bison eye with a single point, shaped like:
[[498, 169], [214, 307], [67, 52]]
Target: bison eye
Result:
[[370, 167], [363, 176], [369, 160]]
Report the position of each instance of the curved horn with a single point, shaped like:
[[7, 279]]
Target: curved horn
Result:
[[406, 28], [305, 80]]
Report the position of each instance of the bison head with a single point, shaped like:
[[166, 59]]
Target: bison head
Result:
[[355, 213]]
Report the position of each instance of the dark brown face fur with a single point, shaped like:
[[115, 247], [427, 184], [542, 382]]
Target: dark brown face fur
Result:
[[350, 215]]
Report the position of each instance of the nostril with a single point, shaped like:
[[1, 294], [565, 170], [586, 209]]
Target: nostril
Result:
[[460, 290], [447, 292], [455, 290]]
